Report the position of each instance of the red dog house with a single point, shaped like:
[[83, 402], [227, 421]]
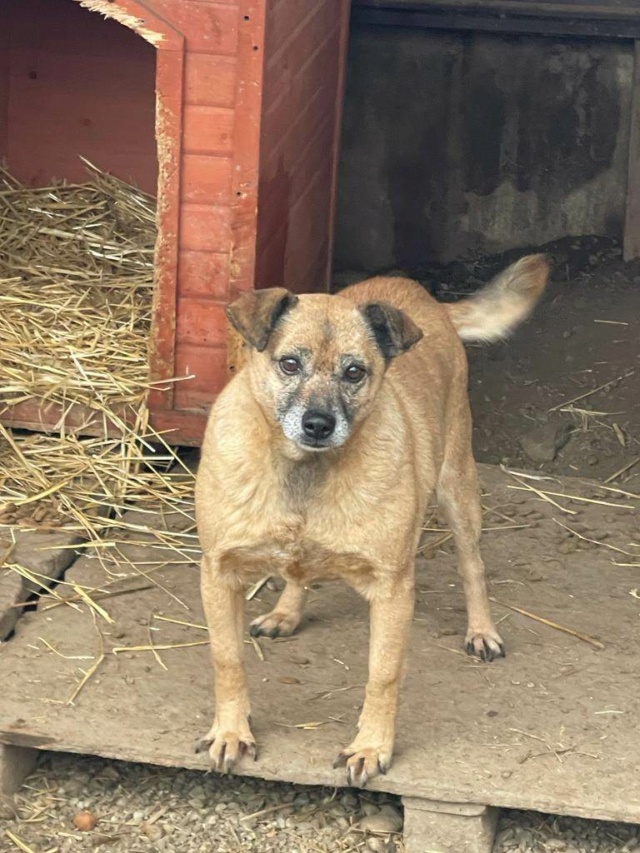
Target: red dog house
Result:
[[230, 108]]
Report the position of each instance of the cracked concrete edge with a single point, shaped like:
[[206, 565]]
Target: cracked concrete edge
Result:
[[46, 555]]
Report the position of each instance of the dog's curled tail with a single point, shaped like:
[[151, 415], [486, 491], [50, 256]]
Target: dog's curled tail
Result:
[[493, 312]]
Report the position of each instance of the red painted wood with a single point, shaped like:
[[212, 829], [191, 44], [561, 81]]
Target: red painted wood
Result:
[[207, 27], [246, 145], [208, 130], [78, 85], [201, 322], [206, 178], [204, 274], [180, 427], [4, 91], [210, 80], [210, 368], [204, 228], [169, 113]]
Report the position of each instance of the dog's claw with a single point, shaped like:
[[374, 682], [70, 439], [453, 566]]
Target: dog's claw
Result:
[[278, 623], [485, 648], [226, 747], [202, 745], [340, 761], [362, 765]]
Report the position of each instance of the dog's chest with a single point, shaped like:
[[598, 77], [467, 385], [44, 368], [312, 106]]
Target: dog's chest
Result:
[[292, 553]]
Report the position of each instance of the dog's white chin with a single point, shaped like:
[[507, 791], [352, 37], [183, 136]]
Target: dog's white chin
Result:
[[316, 448], [297, 447]]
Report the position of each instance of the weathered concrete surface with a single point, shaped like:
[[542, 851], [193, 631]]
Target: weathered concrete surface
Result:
[[447, 827], [46, 555], [459, 144]]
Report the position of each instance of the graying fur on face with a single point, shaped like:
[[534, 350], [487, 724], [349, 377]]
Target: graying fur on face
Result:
[[292, 427]]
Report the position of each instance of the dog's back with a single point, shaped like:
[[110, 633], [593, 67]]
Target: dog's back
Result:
[[489, 315]]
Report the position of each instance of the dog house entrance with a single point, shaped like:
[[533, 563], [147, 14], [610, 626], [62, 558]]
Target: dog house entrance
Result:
[[77, 91], [75, 84]]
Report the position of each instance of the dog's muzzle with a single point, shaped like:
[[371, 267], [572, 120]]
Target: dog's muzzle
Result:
[[315, 429]]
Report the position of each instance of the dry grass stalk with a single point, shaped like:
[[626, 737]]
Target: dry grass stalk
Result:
[[575, 498], [593, 391], [594, 541], [584, 637], [76, 296], [623, 470], [18, 842], [544, 495]]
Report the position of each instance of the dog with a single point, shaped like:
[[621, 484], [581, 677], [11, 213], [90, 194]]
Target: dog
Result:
[[319, 461]]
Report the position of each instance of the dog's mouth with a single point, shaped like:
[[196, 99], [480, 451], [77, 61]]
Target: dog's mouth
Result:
[[315, 445]]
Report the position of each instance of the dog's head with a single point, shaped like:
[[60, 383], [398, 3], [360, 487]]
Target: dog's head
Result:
[[318, 361]]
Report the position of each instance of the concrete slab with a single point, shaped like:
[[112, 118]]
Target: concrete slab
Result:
[[554, 727]]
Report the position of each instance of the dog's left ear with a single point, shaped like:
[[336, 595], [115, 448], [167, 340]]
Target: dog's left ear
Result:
[[256, 313], [393, 331]]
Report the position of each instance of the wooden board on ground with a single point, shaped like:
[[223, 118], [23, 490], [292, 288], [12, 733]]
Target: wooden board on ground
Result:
[[554, 727]]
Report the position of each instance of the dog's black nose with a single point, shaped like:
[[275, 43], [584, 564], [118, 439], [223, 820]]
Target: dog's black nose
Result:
[[318, 425]]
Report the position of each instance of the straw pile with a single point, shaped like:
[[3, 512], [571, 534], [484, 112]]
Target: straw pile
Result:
[[76, 292]]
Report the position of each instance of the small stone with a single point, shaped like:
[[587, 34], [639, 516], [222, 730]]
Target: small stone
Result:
[[377, 845], [85, 821], [387, 820], [302, 799], [543, 443]]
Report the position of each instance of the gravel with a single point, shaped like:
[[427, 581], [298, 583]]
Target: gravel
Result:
[[140, 809], [132, 808]]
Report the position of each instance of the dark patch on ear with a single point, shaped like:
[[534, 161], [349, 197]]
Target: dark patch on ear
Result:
[[393, 330], [256, 313]]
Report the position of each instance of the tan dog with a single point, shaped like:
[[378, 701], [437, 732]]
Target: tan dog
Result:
[[320, 459]]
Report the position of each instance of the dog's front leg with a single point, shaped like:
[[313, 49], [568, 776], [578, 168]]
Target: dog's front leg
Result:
[[391, 611], [230, 735]]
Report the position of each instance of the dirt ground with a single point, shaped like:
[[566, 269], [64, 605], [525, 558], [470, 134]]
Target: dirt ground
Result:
[[584, 335]]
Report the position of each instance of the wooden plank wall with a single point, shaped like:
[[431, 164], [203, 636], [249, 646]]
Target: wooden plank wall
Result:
[[301, 112], [4, 91], [213, 69]]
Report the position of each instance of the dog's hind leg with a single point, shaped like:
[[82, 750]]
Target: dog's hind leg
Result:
[[285, 617], [230, 735], [459, 498]]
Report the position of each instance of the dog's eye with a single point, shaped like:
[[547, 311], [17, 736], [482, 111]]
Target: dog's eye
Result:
[[354, 373], [289, 365]]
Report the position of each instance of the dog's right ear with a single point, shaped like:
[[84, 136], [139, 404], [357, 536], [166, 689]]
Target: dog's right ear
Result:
[[255, 313]]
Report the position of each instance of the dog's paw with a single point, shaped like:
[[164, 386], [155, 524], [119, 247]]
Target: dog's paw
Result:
[[363, 764], [486, 645], [227, 746], [274, 624]]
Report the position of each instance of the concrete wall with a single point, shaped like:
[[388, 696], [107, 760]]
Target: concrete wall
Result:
[[457, 144]]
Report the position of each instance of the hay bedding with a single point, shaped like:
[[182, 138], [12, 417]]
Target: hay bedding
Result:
[[76, 294]]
